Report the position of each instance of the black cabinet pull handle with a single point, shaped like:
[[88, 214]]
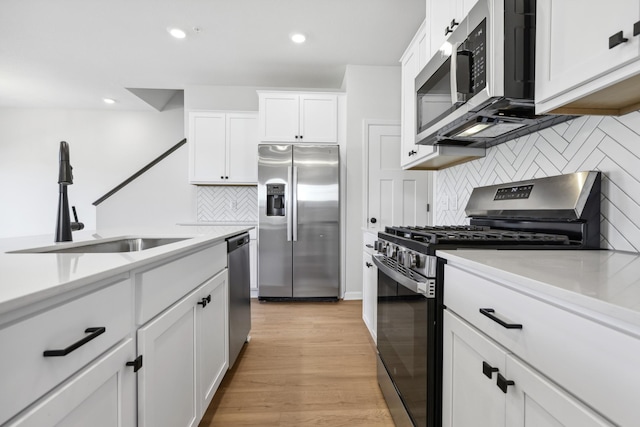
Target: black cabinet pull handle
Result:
[[616, 39], [447, 30], [297, 137], [503, 383], [226, 177], [93, 333], [368, 264], [373, 220], [204, 301], [412, 153], [369, 246], [136, 363], [636, 28], [454, 23], [488, 370], [489, 313], [222, 177]]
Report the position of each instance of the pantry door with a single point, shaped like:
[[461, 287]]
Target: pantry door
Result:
[[393, 196]]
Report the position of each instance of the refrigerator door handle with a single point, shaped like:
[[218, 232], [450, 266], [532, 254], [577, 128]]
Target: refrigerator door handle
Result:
[[294, 202], [288, 210]]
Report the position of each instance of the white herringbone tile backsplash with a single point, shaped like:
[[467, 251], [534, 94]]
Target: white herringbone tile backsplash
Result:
[[227, 203], [607, 144]]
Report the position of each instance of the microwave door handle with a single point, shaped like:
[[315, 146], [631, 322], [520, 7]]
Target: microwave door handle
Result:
[[454, 73]]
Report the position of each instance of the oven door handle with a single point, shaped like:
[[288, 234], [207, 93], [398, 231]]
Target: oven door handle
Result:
[[412, 285]]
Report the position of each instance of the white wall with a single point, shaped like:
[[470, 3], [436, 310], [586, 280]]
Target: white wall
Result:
[[372, 93], [106, 147], [162, 196], [236, 98]]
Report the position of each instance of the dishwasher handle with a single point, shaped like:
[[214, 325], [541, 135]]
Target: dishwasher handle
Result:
[[237, 242]]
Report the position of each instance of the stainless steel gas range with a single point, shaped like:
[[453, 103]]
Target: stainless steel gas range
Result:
[[560, 212]]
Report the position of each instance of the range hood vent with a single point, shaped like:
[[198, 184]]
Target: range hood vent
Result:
[[496, 121]]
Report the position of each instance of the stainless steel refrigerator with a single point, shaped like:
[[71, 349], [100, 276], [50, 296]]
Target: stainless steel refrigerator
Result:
[[298, 222]]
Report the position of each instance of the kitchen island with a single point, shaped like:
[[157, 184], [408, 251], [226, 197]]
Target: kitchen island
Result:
[[83, 333], [533, 336]]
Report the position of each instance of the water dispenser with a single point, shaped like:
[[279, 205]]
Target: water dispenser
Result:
[[275, 199]]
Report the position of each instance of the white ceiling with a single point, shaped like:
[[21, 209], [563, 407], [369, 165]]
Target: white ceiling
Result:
[[74, 53]]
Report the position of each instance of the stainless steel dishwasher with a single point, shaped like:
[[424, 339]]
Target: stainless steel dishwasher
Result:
[[239, 294]]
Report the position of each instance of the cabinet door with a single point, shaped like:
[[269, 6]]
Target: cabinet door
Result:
[[533, 401], [207, 150], [167, 381], [101, 395], [318, 118], [441, 12], [572, 42], [242, 148], [469, 396], [212, 338], [279, 117], [409, 71], [369, 294]]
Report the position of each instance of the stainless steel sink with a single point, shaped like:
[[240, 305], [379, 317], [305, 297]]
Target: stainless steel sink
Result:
[[132, 244]]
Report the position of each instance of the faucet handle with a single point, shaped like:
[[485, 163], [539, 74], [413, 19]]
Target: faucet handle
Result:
[[77, 225]]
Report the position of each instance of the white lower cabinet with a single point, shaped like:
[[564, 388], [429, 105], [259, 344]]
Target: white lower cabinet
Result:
[[162, 329], [101, 395], [185, 356], [212, 338], [369, 285], [485, 385]]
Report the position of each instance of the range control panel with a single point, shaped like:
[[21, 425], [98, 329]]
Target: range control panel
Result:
[[510, 193]]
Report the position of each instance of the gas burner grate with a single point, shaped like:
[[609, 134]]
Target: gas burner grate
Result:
[[476, 235]]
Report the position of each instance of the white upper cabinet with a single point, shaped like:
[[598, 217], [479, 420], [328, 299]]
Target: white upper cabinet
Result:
[[223, 147], [413, 60], [445, 16], [298, 117], [586, 51]]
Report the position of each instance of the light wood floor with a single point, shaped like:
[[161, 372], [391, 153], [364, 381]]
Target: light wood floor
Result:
[[308, 364]]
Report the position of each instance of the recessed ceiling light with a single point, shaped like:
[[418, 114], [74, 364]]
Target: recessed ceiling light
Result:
[[298, 38], [177, 33], [109, 101]]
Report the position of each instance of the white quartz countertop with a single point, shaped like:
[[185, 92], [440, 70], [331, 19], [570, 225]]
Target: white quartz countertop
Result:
[[601, 284], [28, 278]]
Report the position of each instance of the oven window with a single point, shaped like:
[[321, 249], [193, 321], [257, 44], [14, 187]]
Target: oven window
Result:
[[402, 343], [434, 98]]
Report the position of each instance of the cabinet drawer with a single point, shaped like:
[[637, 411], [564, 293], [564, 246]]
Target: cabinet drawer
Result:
[[368, 241], [158, 288], [594, 362], [26, 374]]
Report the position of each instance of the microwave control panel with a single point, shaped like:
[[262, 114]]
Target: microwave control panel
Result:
[[474, 51]]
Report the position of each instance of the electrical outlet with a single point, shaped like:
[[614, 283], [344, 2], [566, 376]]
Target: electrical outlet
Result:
[[443, 203], [453, 202]]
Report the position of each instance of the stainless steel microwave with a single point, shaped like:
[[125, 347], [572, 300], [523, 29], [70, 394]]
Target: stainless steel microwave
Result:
[[478, 89]]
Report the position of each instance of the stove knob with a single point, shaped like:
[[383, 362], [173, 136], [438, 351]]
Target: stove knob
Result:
[[392, 251], [418, 261], [409, 260], [401, 256]]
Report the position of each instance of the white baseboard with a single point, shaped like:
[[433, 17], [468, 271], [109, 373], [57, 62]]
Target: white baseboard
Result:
[[352, 295]]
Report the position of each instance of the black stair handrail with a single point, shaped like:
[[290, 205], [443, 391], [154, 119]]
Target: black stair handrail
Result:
[[140, 172]]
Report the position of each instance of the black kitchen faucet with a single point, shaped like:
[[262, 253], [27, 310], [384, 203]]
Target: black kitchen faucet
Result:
[[64, 226]]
